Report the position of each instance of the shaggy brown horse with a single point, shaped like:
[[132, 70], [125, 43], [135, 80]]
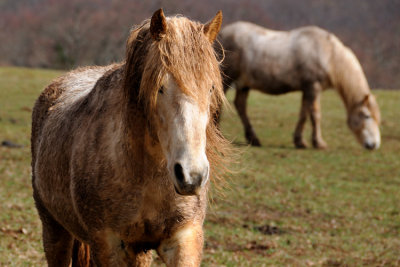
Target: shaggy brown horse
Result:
[[121, 155], [307, 59]]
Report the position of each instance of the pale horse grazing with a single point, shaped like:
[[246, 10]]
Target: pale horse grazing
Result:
[[307, 59]]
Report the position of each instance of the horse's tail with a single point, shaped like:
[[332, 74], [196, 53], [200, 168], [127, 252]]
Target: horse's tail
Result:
[[80, 254]]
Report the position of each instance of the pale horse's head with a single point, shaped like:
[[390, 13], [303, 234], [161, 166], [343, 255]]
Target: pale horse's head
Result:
[[364, 120], [183, 106]]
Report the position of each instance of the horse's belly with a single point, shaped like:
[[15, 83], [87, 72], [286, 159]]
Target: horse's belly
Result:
[[277, 89], [270, 84], [144, 233], [269, 80], [160, 219]]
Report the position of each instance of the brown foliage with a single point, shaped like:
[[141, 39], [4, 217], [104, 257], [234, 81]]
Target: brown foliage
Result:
[[68, 33]]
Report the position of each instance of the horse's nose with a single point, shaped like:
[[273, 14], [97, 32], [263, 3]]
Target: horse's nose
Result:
[[196, 177], [178, 170], [188, 182], [369, 146]]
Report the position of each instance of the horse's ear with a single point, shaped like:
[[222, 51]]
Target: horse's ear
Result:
[[212, 28], [158, 25]]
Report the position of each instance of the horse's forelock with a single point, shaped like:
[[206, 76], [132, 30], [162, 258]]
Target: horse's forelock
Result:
[[186, 54]]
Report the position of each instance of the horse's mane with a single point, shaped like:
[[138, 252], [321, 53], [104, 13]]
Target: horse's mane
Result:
[[346, 74], [186, 54], [349, 79]]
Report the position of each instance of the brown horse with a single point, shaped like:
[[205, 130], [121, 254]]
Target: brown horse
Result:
[[307, 59], [121, 155]]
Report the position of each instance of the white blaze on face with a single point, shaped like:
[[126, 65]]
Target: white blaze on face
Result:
[[182, 134], [365, 128], [371, 135]]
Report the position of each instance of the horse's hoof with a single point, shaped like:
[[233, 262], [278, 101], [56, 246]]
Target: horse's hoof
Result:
[[252, 139], [320, 145], [301, 146], [255, 143], [299, 142]]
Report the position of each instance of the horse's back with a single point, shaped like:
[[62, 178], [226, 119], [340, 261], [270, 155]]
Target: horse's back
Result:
[[68, 88], [241, 42], [248, 36], [64, 91], [276, 61]]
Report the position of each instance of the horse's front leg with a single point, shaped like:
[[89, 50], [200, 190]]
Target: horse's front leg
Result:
[[57, 241], [184, 248], [107, 249], [315, 116], [240, 104], [298, 133]]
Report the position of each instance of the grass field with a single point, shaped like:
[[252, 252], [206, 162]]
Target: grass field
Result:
[[284, 207]]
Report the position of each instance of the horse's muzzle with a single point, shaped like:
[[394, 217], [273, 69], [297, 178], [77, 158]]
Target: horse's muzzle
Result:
[[370, 146], [189, 183]]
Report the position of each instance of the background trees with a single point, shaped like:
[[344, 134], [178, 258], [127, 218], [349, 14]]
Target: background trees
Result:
[[67, 33]]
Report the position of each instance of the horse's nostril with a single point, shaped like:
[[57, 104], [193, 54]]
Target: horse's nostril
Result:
[[369, 145], [179, 172], [196, 178]]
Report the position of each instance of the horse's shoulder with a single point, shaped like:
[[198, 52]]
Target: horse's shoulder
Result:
[[84, 76], [69, 87], [55, 89]]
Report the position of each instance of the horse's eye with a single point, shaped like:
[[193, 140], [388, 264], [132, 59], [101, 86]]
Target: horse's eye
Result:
[[161, 90], [212, 89], [367, 116], [364, 115]]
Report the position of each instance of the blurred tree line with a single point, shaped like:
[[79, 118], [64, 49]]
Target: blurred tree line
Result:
[[67, 33]]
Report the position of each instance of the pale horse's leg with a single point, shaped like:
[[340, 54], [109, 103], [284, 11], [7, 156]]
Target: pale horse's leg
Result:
[[184, 248], [315, 116], [240, 104], [310, 105], [217, 117], [298, 133]]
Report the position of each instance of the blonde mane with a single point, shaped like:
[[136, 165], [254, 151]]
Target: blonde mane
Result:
[[186, 54], [349, 79]]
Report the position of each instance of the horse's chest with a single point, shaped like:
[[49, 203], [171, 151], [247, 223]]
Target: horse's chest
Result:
[[145, 230], [151, 230], [158, 220]]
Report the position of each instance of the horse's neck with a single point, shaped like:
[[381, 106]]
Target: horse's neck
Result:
[[124, 124], [140, 149], [349, 78], [143, 152]]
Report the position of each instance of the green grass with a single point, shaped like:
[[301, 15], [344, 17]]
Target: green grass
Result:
[[284, 207], [20, 228]]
